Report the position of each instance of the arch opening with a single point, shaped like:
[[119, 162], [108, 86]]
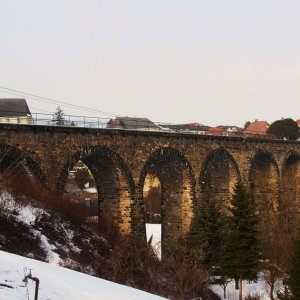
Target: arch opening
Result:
[[81, 188], [177, 192], [18, 170], [113, 182], [221, 173], [152, 199]]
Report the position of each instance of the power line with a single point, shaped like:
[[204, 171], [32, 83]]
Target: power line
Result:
[[47, 111], [52, 101]]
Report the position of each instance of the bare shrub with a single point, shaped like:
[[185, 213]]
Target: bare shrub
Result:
[[254, 296], [187, 272], [134, 263], [48, 198], [18, 238], [277, 258]]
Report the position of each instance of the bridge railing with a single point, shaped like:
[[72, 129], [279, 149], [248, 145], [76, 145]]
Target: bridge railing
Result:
[[69, 121], [125, 123]]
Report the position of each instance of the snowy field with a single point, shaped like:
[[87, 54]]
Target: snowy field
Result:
[[57, 283]]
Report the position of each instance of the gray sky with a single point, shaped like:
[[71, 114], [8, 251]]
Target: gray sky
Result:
[[208, 61]]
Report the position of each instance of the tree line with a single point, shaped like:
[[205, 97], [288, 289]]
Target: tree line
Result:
[[231, 245]]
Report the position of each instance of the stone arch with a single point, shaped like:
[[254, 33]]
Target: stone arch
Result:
[[16, 164], [264, 179], [290, 187], [220, 170], [177, 181], [113, 180]]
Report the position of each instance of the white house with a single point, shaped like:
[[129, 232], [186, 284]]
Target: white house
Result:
[[15, 111]]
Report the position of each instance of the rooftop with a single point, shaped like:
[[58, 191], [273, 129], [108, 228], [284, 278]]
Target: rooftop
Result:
[[257, 127], [14, 107], [131, 123]]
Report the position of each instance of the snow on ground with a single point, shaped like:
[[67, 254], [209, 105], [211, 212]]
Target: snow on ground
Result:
[[27, 214], [58, 283], [91, 190], [252, 288], [155, 231], [24, 212]]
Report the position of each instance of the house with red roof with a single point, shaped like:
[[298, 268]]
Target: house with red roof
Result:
[[224, 130], [298, 122], [215, 131], [257, 128]]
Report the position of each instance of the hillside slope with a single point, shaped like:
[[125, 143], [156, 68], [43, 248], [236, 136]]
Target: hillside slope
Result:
[[58, 283], [46, 232]]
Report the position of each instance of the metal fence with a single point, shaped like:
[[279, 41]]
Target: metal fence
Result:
[[69, 121]]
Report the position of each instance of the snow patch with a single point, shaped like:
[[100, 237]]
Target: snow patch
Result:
[[154, 231], [260, 288], [91, 190], [59, 283], [25, 213]]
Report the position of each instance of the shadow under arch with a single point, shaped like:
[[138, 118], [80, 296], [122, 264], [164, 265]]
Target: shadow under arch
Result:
[[263, 157], [177, 181], [221, 172], [290, 156], [264, 179], [113, 180], [290, 198], [16, 164]]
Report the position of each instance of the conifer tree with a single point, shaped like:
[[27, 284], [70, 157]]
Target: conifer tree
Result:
[[59, 118], [207, 228], [240, 255], [295, 271]]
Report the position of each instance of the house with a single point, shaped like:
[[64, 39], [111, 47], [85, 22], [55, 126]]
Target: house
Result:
[[231, 128], [223, 130], [227, 130], [216, 131], [257, 128], [298, 122], [194, 127], [15, 111], [133, 124]]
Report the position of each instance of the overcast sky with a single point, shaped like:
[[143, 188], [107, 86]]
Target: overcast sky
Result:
[[208, 61]]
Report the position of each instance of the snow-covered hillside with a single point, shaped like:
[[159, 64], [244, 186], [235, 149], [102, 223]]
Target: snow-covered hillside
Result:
[[58, 283], [31, 229]]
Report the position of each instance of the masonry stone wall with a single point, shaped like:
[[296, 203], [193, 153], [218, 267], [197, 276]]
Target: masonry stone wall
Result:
[[120, 161]]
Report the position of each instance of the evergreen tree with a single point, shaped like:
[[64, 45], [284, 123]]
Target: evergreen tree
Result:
[[295, 271], [206, 232], [240, 255], [59, 118]]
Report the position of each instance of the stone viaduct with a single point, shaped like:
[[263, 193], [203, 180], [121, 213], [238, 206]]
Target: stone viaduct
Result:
[[120, 160]]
